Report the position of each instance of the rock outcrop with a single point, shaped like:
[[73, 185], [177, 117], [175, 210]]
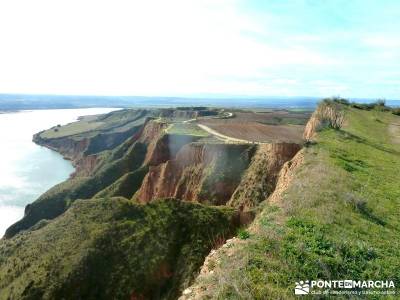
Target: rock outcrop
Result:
[[328, 113]]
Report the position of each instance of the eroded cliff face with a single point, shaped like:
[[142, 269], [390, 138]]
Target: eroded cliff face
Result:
[[70, 148], [240, 176], [327, 114], [260, 178], [198, 172], [83, 151], [286, 175], [85, 165], [161, 146]]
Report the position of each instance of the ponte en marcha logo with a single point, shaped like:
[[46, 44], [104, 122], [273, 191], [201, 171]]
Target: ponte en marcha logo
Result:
[[341, 287]]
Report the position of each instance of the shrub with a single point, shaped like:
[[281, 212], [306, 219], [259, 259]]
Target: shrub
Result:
[[396, 111], [339, 100], [379, 104], [243, 234]]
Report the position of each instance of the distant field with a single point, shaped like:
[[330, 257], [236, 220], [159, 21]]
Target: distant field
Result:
[[273, 117], [261, 126], [257, 132], [84, 125], [118, 121], [187, 129]]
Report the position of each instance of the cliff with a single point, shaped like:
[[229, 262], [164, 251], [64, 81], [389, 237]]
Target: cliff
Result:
[[83, 141], [260, 178], [328, 114], [128, 157], [199, 172]]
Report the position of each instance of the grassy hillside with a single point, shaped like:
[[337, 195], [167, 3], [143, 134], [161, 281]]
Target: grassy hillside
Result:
[[187, 129], [112, 249], [339, 218], [88, 126]]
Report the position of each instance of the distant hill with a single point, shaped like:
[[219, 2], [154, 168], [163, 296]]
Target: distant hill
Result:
[[21, 101], [26, 101]]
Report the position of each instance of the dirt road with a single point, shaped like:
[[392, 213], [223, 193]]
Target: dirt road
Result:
[[225, 137]]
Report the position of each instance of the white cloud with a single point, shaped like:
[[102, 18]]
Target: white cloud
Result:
[[135, 47], [382, 41]]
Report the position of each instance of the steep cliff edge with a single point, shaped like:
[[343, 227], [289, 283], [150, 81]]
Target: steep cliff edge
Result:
[[83, 141], [261, 177], [120, 173], [270, 187], [128, 157], [328, 114], [200, 172]]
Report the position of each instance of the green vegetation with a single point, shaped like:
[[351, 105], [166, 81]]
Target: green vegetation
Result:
[[243, 234], [112, 249], [126, 186], [84, 125], [396, 111], [339, 219], [90, 126], [187, 129], [379, 104]]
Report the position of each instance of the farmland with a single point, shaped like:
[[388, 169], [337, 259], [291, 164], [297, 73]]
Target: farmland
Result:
[[270, 126]]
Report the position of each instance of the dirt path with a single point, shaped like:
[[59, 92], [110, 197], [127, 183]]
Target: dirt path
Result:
[[225, 137], [218, 135]]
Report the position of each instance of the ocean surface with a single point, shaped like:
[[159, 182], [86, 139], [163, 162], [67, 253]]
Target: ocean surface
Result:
[[26, 169]]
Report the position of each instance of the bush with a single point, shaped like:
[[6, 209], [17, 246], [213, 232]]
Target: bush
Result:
[[338, 100], [379, 104], [243, 234], [396, 111]]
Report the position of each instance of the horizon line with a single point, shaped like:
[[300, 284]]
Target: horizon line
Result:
[[198, 96]]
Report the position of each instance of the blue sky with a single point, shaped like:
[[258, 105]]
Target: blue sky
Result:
[[201, 47], [361, 38]]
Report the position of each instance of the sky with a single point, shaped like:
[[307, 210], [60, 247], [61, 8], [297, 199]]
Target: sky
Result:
[[348, 48]]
